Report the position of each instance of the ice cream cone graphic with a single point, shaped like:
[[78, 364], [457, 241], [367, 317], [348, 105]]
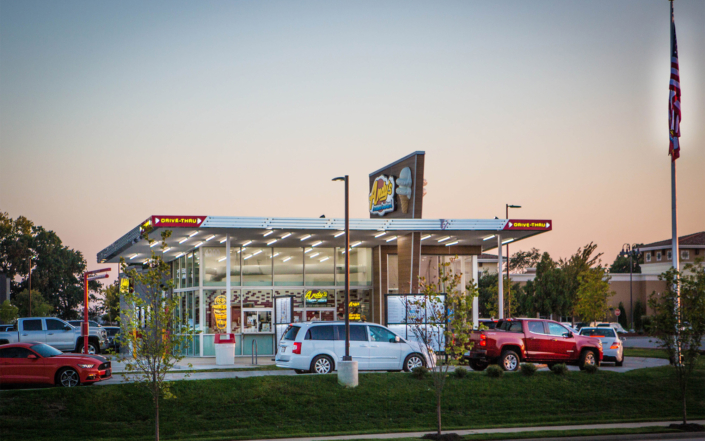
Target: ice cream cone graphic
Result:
[[404, 189], [220, 309]]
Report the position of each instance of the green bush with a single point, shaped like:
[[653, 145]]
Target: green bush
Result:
[[622, 319], [646, 323], [460, 373], [419, 372], [528, 369], [638, 313], [494, 371], [590, 368], [559, 369]]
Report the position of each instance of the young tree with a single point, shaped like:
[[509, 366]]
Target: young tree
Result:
[[679, 321], [486, 285], [110, 302], [513, 297], [547, 293], [427, 317], [149, 328], [40, 308], [573, 268], [593, 293], [8, 312]]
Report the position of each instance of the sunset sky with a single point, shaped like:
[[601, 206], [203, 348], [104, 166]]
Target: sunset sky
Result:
[[114, 111]]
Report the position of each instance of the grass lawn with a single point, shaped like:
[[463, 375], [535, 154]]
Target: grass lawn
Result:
[[649, 353], [288, 406]]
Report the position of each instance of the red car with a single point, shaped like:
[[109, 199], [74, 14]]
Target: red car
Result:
[[40, 363], [532, 340]]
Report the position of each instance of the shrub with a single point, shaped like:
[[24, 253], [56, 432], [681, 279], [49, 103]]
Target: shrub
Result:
[[638, 324], [646, 323], [460, 373], [559, 369], [528, 369], [419, 372], [494, 371], [622, 319], [590, 368]]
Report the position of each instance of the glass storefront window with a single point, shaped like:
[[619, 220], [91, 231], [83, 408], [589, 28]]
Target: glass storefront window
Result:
[[319, 298], [428, 270], [214, 263], [189, 270], [182, 271], [359, 307], [360, 267], [257, 266], [215, 305], [175, 273], [319, 266], [257, 322], [196, 268], [235, 265], [197, 310], [235, 311], [288, 266]]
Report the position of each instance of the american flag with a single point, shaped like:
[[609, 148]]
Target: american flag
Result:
[[674, 98]]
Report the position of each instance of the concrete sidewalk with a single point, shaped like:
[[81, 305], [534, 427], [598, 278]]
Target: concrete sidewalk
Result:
[[204, 364], [508, 431]]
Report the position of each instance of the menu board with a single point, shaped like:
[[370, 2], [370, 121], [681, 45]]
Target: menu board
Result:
[[396, 309]]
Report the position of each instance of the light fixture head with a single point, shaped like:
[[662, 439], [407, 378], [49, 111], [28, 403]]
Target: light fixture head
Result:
[[339, 178], [452, 243], [489, 237], [154, 244], [308, 236], [513, 206], [391, 239], [426, 237], [380, 234], [246, 243], [314, 255], [443, 239], [222, 241], [272, 241], [286, 235], [268, 233], [165, 250], [339, 234], [193, 234], [183, 240], [209, 238], [507, 241], [316, 244]]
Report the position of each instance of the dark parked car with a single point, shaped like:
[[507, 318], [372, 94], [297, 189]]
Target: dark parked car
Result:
[[113, 334]]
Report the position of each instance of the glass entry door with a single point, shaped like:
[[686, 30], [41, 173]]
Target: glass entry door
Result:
[[283, 316]]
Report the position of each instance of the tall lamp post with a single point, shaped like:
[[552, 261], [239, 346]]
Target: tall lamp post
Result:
[[347, 371], [629, 250], [509, 282]]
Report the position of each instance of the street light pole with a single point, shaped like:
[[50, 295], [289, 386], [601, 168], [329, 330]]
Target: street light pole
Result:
[[30, 286], [509, 282], [628, 250]]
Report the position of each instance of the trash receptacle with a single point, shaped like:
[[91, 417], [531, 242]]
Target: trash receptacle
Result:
[[224, 349]]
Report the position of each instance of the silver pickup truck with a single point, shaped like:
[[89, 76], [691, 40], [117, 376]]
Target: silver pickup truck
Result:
[[55, 332]]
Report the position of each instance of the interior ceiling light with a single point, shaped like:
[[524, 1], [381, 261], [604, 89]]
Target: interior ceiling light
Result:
[[241, 250], [443, 239], [274, 255], [355, 244], [308, 250], [391, 239], [198, 244], [339, 234], [179, 255], [324, 259], [272, 241], [145, 261], [287, 259], [256, 252], [246, 243], [133, 256], [212, 237], [268, 233], [222, 259], [380, 234], [488, 237], [193, 234], [426, 237], [452, 243], [314, 255], [154, 244], [507, 241], [305, 237], [183, 240], [222, 241], [286, 235], [316, 244], [247, 257], [165, 250]]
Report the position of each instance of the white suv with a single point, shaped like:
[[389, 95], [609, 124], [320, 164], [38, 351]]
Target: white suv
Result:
[[318, 346]]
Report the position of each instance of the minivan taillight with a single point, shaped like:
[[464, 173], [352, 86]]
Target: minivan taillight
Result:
[[297, 349], [483, 340]]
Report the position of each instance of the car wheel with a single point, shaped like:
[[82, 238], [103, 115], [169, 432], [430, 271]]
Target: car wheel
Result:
[[413, 361], [509, 360], [322, 365], [478, 365], [68, 377], [301, 371], [92, 348], [619, 363], [588, 358]]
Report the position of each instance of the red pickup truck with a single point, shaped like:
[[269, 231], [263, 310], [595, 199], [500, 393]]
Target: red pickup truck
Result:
[[531, 340]]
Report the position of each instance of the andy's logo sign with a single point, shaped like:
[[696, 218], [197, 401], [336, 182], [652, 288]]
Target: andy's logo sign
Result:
[[382, 195]]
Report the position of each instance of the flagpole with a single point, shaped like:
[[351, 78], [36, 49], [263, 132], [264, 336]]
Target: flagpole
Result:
[[674, 217]]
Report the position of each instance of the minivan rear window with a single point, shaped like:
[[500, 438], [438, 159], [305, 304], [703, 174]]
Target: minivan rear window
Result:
[[325, 332], [292, 332]]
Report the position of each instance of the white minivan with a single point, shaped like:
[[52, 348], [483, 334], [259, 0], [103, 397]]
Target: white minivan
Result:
[[317, 347]]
